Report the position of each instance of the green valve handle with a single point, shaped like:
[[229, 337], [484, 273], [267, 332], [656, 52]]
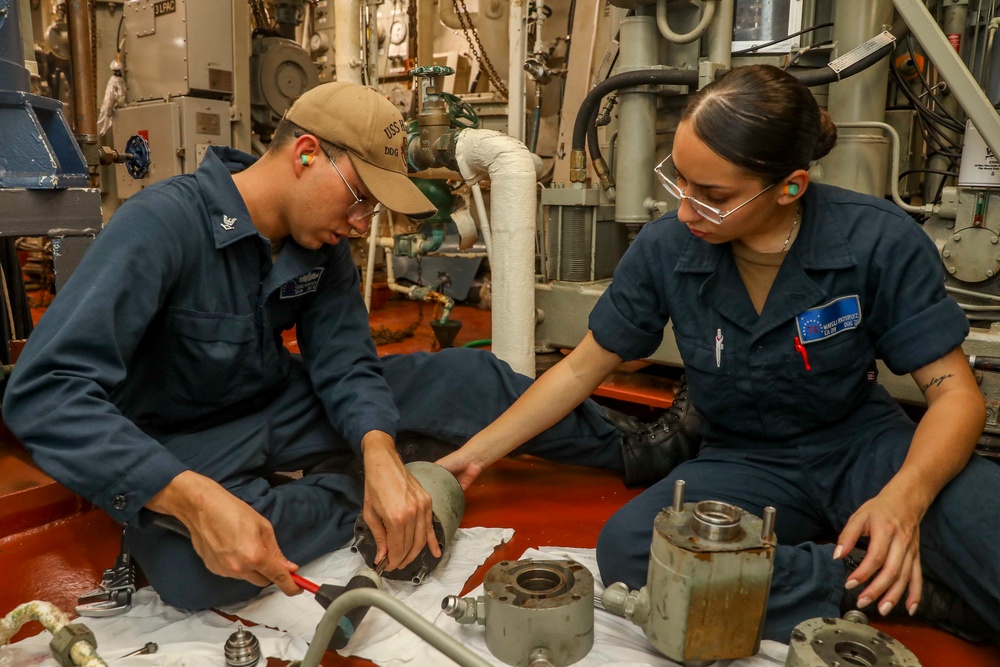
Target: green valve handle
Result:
[[432, 70]]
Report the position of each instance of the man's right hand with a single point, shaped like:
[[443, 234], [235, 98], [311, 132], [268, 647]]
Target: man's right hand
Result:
[[230, 536]]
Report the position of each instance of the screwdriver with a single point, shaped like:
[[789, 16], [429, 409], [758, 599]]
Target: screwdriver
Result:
[[327, 593]]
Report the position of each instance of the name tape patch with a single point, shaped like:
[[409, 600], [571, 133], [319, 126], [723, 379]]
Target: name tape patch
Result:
[[304, 284], [830, 319]]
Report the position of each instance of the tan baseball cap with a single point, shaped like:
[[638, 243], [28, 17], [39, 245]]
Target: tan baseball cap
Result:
[[365, 124]]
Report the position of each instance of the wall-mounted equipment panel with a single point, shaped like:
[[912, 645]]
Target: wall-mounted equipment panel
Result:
[[178, 47], [179, 133]]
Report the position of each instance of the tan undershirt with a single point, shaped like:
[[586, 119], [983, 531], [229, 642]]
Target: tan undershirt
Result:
[[276, 247], [758, 270]]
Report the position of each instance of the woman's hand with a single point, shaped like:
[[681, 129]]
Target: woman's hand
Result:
[[463, 466], [942, 444], [892, 563]]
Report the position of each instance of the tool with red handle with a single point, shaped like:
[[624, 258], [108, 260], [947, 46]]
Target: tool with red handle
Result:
[[325, 594]]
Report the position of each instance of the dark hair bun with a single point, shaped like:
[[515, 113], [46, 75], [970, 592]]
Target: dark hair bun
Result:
[[827, 137]]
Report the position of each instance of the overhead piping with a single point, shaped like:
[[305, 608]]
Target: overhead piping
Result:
[[707, 14]]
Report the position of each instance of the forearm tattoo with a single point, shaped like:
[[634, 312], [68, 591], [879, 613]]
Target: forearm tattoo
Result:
[[935, 382]]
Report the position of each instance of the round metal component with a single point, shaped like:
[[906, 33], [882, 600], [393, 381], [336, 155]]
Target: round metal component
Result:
[[834, 642], [242, 649], [448, 502], [57, 38], [539, 605], [716, 520], [137, 148], [318, 44], [969, 255], [281, 71], [397, 32]]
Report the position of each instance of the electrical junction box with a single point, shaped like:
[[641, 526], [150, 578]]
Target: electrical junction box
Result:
[[178, 47], [980, 167], [179, 133]]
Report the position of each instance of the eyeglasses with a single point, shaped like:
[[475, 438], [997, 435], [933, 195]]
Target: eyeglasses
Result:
[[361, 209], [710, 213]]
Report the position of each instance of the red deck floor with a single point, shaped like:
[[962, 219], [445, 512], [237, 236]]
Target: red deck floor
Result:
[[54, 547]]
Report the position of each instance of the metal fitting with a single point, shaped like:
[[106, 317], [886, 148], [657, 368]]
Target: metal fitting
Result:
[[577, 167], [64, 639], [832, 641], [242, 648], [604, 174], [465, 610]]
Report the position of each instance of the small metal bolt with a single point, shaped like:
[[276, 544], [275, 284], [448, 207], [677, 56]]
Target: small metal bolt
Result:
[[946, 253], [995, 240], [856, 616], [989, 273], [678, 505], [798, 635], [952, 269], [956, 237]]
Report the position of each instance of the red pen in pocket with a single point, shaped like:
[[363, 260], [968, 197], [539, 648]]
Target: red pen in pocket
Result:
[[802, 350]]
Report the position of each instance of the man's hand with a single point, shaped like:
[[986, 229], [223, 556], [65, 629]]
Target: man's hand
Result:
[[397, 509], [893, 526], [230, 536]]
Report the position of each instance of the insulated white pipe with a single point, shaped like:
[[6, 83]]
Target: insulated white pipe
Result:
[[513, 174], [448, 14], [370, 268], [515, 84], [347, 40], [484, 220]]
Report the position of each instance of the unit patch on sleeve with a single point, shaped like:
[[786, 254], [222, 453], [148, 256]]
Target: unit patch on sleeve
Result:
[[830, 319], [304, 284]]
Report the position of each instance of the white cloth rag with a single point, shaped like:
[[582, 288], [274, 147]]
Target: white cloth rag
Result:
[[182, 638], [198, 639]]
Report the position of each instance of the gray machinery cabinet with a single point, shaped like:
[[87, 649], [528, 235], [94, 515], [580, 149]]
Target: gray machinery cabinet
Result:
[[178, 47], [179, 133]]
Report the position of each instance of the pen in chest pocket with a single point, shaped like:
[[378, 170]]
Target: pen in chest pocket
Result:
[[718, 348]]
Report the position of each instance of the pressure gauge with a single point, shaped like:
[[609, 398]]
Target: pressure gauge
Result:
[[397, 32], [318, 44]]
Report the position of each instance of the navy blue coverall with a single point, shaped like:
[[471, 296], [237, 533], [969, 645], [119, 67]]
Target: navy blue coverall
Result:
[[164, 353], [861, 282]]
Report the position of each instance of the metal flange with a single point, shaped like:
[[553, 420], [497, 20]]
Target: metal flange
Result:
[[834, 642], [534, 605]]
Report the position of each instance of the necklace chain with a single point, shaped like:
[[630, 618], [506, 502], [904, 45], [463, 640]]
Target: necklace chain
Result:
[[795, 223]]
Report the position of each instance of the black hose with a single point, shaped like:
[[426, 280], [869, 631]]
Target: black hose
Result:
[[824, 75], [653, 77], [585, 129]]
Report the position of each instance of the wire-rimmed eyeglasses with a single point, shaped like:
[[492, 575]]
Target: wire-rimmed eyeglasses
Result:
[[710, 213], [362, 209]]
